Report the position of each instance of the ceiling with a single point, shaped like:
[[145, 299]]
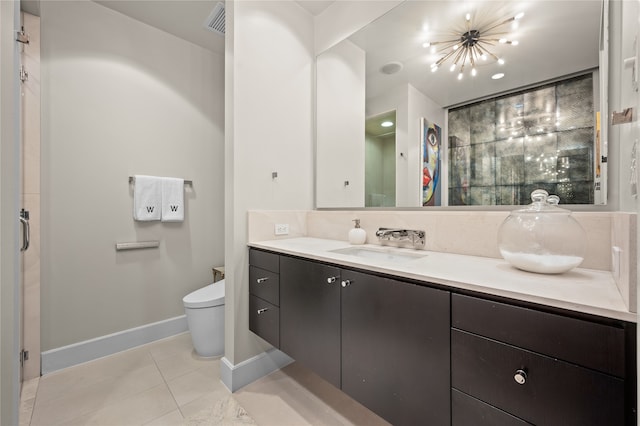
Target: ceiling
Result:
[[556, 38]]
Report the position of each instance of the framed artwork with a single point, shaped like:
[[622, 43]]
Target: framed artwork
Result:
[[430, 155]]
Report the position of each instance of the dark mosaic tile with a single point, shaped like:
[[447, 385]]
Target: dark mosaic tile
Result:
[[460, 166], [510, 117], [459, 197], [575, 104], [459, 127], [540, 158], [483, 164], [483, 122], [575, 192], [510, 162], [508, 195], [483, 195], [540, 111]]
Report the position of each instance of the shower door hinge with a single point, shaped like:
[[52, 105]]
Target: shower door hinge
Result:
[[24, 75], [22, 36], [24, 356]]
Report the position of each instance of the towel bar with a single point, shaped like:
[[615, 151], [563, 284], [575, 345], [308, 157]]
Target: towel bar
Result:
[[186, 182], [137, 245]]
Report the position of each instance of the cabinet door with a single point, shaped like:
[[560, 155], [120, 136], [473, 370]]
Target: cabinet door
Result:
[[395, 348], [310, 315]]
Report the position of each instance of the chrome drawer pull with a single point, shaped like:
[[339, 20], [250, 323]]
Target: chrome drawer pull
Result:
[[520, 377], [346, 283], [262, 311], [261, 280], [331, 280]]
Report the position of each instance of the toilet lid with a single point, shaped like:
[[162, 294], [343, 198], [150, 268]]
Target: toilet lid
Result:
[[211, 295]]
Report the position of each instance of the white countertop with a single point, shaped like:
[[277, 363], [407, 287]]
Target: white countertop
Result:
[[582, 290]]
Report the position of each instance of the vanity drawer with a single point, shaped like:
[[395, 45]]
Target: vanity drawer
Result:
[[469, 411], [264, 260], [264, 284], [264, 320], [553, 392], [590, 344]]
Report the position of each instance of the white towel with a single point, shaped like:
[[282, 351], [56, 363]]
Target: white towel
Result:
[[172, 199], [147, 197]]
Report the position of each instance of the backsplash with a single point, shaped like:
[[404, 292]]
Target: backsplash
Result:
[[469, 233]]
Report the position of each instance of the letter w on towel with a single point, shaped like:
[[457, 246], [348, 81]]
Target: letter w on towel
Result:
[[172, 199], [147, 198]]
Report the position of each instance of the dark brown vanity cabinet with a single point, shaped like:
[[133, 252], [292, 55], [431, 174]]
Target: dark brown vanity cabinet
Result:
[[416, 354], [395, 348], [519, 364], [264, 295], [310, 315]]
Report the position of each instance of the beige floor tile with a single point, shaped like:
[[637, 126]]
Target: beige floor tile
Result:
[[295, 395], [118, 365], [225, 411], [136, 410], [191, 386], [88, 397], [185, 362], [29, 388], [171, 346], [174, 418]]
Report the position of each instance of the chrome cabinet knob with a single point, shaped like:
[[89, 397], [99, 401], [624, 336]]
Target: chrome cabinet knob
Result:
[[345, 283], [261, 280], [262, 311], [331, 280], [520, 377]]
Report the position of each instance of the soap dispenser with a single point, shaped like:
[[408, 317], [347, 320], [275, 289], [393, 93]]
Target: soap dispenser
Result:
[[357, 235]]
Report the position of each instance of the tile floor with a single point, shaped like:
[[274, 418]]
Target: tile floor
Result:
[[165, 383]]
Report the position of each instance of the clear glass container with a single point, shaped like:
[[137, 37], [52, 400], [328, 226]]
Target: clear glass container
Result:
[[542, 237]]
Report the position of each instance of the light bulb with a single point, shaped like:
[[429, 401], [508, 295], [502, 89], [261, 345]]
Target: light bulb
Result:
[[426, 44], [468, 17], [514, 43], [460, 76], [455, 47], [452, 67], [483, 57], [501, 61], [502, 40], [519, 15], [473, 72]]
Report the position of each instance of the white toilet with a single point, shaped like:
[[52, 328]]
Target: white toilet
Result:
[[205, 317]]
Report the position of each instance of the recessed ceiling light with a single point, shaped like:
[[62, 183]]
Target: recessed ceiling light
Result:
[[391, 68], [386, 123], [497, 76]]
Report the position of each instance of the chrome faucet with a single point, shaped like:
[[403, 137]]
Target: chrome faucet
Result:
[[415, 236]]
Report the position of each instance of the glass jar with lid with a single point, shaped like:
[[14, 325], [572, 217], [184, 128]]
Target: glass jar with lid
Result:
[[542, 237]]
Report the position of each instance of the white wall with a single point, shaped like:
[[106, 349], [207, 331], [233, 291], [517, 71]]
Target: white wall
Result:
[[340, 121], [122, 98], [269, 68]]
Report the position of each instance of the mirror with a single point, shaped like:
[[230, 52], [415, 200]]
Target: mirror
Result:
[[387, 66], [380, 160]]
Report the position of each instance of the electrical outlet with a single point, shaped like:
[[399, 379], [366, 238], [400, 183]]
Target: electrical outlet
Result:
[[282, 229]]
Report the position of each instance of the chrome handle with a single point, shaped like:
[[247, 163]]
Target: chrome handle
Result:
[[26, 231], [345, 283], [331, 280], [520, 377], [263, 310], [261, 280]]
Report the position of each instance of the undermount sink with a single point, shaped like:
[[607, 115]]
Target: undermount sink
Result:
[[383, 254]]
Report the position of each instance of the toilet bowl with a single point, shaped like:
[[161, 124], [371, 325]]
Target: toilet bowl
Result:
[[205, 318]]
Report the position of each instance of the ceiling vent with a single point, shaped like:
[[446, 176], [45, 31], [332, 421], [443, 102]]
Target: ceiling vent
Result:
[[215, 20]]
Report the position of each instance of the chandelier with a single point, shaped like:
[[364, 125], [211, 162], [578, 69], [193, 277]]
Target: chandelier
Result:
[[472, 47]]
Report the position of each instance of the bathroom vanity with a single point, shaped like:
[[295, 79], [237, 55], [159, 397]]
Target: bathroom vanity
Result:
[[418, 345]]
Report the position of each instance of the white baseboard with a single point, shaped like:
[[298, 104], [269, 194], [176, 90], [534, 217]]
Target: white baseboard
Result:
[[236, 376], [77, 353]]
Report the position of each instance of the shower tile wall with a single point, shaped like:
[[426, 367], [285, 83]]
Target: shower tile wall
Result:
[[502, 149]]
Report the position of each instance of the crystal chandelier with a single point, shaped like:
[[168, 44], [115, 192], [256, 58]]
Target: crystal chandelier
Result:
[[472, 46]]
